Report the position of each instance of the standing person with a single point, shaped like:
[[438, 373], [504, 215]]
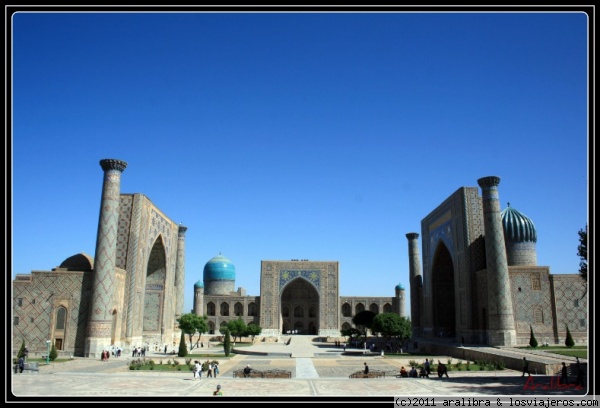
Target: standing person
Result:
[[21, 364], [216, 369], [210, 370], [366, 370], [218, 390], [564, 374], [579, 380], [197, 369], [427, 366], [525, 367]]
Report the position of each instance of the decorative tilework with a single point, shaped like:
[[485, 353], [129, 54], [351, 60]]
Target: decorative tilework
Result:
[[313, 276]]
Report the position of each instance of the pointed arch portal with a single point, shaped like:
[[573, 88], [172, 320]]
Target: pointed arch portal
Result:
[[444, 318], [302, 299]]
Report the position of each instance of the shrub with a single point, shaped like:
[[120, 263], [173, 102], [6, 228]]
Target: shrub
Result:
[[532, 341], [53, 353], [569, 340], [468, 368]]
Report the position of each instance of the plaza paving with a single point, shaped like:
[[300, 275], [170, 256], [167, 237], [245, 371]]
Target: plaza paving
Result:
[[317, 370]]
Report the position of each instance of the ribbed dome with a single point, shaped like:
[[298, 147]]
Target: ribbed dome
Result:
[[219, 268], [399, 286], [517, 226], [198, 284]]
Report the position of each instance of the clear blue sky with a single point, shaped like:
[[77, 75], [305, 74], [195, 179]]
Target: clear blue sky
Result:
[[320, 136]]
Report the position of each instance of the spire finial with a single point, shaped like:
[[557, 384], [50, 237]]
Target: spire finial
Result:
[[508, 203]]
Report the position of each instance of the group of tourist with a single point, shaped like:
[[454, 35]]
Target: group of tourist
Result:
[[211, 368]]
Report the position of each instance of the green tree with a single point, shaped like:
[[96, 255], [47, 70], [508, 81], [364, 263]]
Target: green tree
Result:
[[183, 351], [582, 253], [21, 352], [392, 325], [364, 319], [227, 343], [53, 353], [532, 341], [237, 328], [253, 329], [190, 324], [351, 333], [569, 340]]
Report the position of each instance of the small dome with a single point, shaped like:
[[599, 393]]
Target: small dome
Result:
[[198, 285], [517, 226], [399, 286], [78, 262], [219, 268]]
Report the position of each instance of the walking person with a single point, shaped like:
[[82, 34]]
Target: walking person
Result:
[[366, 369], [21, 364], [442, 369], [525, 367]]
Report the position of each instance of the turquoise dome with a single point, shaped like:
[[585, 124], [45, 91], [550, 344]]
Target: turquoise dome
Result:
[[219, 268], [198, 284], [399, 286], [517, 227]]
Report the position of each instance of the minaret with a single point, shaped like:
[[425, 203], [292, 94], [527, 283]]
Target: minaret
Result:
[[501, 320], [401, 296], [180, 272], [199, 298], [102, 308], [414, 265]]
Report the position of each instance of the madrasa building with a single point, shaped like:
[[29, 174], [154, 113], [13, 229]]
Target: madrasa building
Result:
[[479, 283]]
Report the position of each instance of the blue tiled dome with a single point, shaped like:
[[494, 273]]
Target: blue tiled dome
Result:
[[198, 284], [399, 286], [219, 268], [517, 227]]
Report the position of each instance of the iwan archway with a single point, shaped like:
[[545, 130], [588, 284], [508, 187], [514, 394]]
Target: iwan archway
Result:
[[442, 274], [300, 307], [299, 295]]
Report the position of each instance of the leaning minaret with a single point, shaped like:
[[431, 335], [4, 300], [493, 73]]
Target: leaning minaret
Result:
[[414, 265], [180, 272], [102, 310], [500, 314]]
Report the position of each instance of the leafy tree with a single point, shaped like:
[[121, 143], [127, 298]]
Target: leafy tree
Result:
[[253, 330], [392, 325], [532, 341], [227, 343], [582, 253], [183, 351], [237, 328], [53, 353], [190, 323], [364, 319], [21, 352], [569, 340], [351, 333]]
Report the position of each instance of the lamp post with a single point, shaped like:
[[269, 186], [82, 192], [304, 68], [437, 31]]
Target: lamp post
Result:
[[48, 352]]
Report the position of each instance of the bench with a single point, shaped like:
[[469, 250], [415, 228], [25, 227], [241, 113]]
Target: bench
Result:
[[372, 374], [29, 368]]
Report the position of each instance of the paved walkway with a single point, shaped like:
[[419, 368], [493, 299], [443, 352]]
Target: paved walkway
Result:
[[318, 370]]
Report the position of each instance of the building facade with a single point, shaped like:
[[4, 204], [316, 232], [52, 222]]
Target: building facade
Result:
[[481, 283], [477, 282], [129, 294]]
